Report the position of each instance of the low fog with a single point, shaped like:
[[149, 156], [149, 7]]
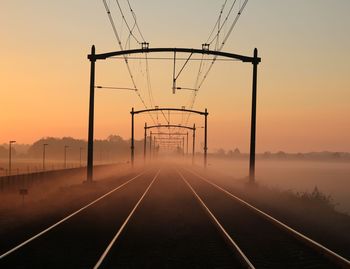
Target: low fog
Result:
[[54, 195], [330, 177]]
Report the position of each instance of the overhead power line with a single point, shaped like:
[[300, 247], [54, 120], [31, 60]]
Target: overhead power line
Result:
[[135, 20], [121, 46], [224, 41], [199, 82], [216, 35], [130, 29], [217, 24], [148, 77], [119, 41]]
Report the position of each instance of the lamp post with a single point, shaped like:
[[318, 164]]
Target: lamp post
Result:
[[187, 143], [193, 143], [10, 153], [145, 142], [205, 143], [80, 154], [150, 145], [44, 155], [183, 146], [205, 138], [65, 156], [132, 138]]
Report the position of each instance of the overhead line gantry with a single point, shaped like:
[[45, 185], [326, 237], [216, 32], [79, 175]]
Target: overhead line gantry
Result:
[[93, 57], [202, 113], [193, 129]]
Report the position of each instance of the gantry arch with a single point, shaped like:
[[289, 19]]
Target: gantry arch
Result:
[[202, 113], [193, 129], [93, 57]]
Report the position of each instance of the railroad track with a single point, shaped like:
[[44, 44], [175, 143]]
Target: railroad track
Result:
[[122, 227], [83, 232], [203, 237], [259, 239], [155, 222], [233, 245], [168, 230]]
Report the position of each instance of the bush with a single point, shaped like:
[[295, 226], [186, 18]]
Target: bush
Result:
[[317, 198]]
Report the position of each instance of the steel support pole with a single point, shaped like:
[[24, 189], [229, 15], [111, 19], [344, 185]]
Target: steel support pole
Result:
[[90, 155], [132, 137], [205, 137], [145, 142], [253, 119], [193, 143]]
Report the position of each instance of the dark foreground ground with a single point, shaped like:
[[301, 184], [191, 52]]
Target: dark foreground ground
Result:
[[169, 229], [313, 217]]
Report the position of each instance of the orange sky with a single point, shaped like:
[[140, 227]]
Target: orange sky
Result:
[[303, 81]]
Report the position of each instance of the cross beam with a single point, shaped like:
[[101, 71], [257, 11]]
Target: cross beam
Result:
[[171, 109], [104, 56], [169, 126]]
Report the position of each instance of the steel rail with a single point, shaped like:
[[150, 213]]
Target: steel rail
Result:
[[110, 245], [331, 255], [68, 217], [242, 257]]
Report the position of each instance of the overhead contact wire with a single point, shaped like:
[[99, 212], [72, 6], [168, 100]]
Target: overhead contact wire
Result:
[[124, 56]]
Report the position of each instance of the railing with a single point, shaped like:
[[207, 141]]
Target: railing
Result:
[[25, 181]]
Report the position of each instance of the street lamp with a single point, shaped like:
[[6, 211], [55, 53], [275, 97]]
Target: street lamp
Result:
[[205, 143], [80, 150], [10, 152], [187, 143], [65, 156], [44, 147]]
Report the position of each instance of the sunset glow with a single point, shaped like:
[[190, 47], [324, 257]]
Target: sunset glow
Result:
[[303, 87]]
